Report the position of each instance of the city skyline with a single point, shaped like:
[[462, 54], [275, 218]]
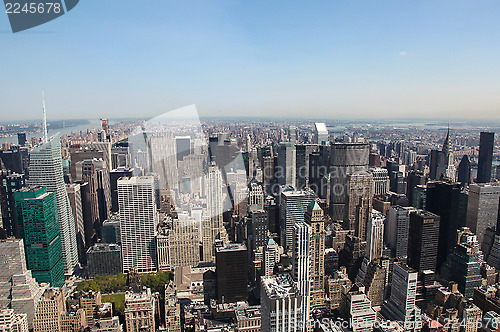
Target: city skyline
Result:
[[335, 60]]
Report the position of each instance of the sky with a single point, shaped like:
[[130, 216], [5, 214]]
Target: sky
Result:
[[337, 59]]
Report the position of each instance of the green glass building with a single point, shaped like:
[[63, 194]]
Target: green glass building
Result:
[[38, 225]]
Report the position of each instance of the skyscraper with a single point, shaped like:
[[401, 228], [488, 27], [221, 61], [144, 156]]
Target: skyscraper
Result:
[[345, 158], [375, 236], [321, 133], [301, 265], [46, 170], [285, 172], [75, 201], [359, 202], [137, 205], [232, 273], [36, 213], [423, 237], [464, 171], [396, 230], [293, 206], [380, 181], [486, 144], [271, 257], [482, 208]]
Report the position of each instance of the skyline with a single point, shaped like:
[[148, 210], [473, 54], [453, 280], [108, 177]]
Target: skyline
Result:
[[290, 60]]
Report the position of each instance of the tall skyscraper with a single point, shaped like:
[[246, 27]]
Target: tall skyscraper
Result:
[[46, 170], [212, 226], [75, 201], [11, 183], [359, 202], [271, 257], [314, 217], [486, 144], [293, 206], [301, 266], [281, 305], [232, 273], [182, 147], [444, 199], [375, 236], [396, 230], [285, 171], [345, 158], [464, 171], [48, 311], [36, 214], [482, 208], [401, 305], [303, 151], [137, 205], [321, 133], [423, 239], [380, 181]]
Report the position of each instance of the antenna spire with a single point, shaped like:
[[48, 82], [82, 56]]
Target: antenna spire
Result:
[[45, 135]]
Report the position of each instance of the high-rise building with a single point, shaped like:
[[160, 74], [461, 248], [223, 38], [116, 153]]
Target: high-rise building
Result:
[[12, 322], [138, 223], [182, 147], [215, 207], [293, 206], [381, 181], [464, 172], [46, 170], [303, 151], [114, 175], [232, 273], [172, 308], [11, 183], [357, 308], [314, 217], [37, 217], [423, 237], [140, 309], [285, 171], [463, 263], [271, 257], [482, 208], [375, 236], [75, 201], [396, 230], [301, 265], [335, 287], [281, 304], [345, 158], [415, 178], [359, 202], [319, 172], [372, 275], [486, 144], [321, 133], [48, 311], [444, 199], [104, 259], [401, 305], [259, 229]]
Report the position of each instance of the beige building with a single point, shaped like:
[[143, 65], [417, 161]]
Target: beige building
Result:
[[172, 309], [73, 321], [11, 322], [315, 218], [48, 310], [140, 311]]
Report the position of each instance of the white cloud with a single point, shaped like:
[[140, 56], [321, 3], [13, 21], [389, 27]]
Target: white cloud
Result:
[[403, 53]]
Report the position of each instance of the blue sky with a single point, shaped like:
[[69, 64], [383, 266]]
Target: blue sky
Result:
[[336, 59]]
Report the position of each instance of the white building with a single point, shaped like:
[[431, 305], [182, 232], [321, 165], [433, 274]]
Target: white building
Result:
[[138, 218], [375, 236]]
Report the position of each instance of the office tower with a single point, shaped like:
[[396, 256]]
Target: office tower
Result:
[[111, 230], [352, 255], [381, 181], [375, 236], [293, 206], [285, 171], [21, 139], [419, 197], [103, 189], [138, 221], [232, 273], [486, 144], [259, 229], [81, 152], [301, 265], [12, 159], [47, 313], [450, 170], [255, 196], [104, 259], [331, 260], [401, 305], [180, 245], [319, 172], [444, 199], [281, 304], [11, 183], [11, 322], [415, 178], [267, 170], [18, 289], [303, 151], [345, 158], [359, 202], [114, 175], [314, 217], [372, 275], [89, 214], [140, 310], [357, 308], [335, 287], [75, 201], [423, 237], [36, 214], [215, 200], [437, 165], [482, 208], [321, 133], [271, 257], [396, 230], [120, 155], [90, 302], [46, 170], [172, 309], [465, 172], [463, 263], [182, 147]]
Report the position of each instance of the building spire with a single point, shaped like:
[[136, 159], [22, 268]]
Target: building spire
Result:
[[45, 135]]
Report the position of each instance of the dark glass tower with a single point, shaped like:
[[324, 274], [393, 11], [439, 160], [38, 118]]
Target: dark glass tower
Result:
[[464, 171], [423, 240], [232, 273], [486, 143]]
